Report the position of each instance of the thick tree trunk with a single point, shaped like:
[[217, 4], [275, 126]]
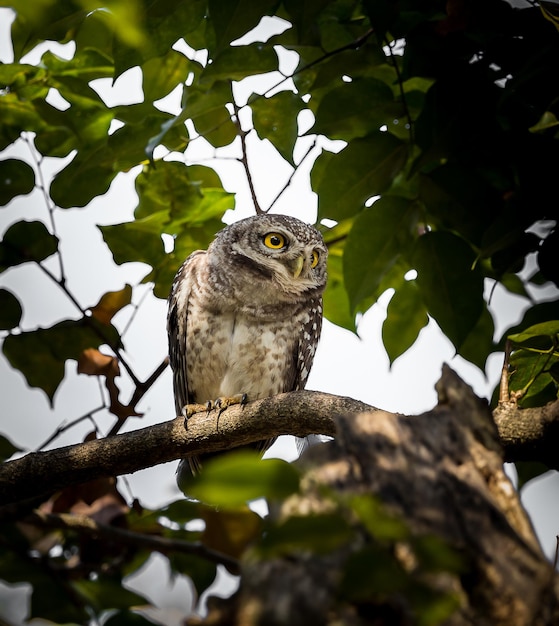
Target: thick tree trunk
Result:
[[442, 474]]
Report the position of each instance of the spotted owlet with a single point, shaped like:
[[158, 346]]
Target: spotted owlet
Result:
[[245, 315]]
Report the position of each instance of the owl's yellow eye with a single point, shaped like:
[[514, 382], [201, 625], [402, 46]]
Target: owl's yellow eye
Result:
[[275, 241], [314, 258]]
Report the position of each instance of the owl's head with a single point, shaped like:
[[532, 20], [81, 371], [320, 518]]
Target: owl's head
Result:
[[275, 252]]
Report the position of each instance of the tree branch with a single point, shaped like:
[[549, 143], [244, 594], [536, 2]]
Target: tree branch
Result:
[[299, 413], [165, 545], [525, 434], [530, 434]]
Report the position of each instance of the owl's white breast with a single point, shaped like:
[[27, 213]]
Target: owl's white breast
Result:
[[230, 354]]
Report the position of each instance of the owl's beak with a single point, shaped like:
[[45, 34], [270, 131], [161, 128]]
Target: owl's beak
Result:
[[297, 266]]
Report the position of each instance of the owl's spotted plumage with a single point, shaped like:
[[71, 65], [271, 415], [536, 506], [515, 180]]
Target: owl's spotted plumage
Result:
[[245, 315]]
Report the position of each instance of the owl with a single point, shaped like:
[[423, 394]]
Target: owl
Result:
[[245, 315]]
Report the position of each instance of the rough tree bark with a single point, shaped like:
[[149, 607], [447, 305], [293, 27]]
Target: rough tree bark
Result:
[[442, 472]]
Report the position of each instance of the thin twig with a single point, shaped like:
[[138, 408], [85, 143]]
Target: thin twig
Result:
[[394, 62], [139, 392], [164, 545], [64, 427], [504, 395], [291, 176], [48, 202], [244, 160]]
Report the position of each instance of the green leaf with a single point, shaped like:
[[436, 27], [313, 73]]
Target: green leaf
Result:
[[541, 336], [165, 22], [379, 236], [86, 65], [539, 313], [239, 62], [364, 169], [180, 192], [10, 310], [26, 241], [479, 344], [379, 522], [36, 22], [107, 593], [370, 572], [528, 470], [128, 618], [129, 243], [232, 19], [275, 119], [405, 317], [208, 112], [321, 533], [161, 75], [355, 109], [241, 476], [17, 178], [450, 284], [94, 168], [335, 298], [16, 115], [7, 449], [200, 571], [40, 354]]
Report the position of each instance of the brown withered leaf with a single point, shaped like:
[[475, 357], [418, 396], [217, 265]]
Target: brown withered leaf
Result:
[[111, 303], [231, 531], [94, 363]]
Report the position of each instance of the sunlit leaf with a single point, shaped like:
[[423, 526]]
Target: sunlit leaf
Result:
[[541, 336], [26, 241], [16, 179], [450, 284], [239, 477], [111, 303], [364, 169], [162, 74], [10, 310]]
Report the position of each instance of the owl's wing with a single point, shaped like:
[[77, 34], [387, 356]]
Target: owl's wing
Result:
[[176, 327], [306, 346]]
